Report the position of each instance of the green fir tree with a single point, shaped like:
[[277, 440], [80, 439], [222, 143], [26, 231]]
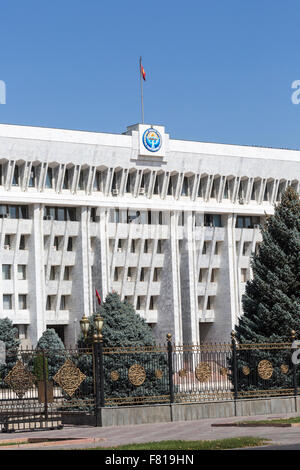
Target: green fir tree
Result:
[[8, 334], [54, 351], [271, 303]]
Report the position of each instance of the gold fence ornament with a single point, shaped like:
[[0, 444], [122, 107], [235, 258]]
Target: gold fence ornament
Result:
[[203, 372], [158, 374], [114, 375], [20, 379], [284, 368], [246, 370], [265, 369], [69, 377], [182, 373], [137, 375]]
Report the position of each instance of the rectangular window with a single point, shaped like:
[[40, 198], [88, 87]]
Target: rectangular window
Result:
[[70, 244], [214, 274], [157, 273], [247, 221], [23, 242], [170, 187], [22, 301], [218, 248], [81, 181], [159, 246], [7, 242], [160, 218], [1, 175], [6, 271], [21, 272], [50, 302], [63, 302], [66, 183], [67, 273], [60, 213], [212, 220], [53, 273], [153, 302], [226, 190], [15, 180], [32, 177], [96, 184], [49, 178], [93, 214], [7, 301], [56, 243]]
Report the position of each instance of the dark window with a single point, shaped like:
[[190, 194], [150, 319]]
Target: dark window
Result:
[[49, 178], [212, 220], [247, 221]]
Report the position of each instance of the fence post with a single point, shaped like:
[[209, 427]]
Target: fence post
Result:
[[45, 379], [170, 366], [294, 347], [98, 381], [234, 366]]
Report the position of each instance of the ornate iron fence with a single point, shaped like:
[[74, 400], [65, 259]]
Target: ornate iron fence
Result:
[[36, 387]]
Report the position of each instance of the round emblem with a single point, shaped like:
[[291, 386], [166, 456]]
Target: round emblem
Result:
[[137, 374], [265, 369], [152, 140]]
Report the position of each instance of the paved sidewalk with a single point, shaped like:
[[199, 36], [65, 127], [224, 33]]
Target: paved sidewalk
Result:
[[180, 430]]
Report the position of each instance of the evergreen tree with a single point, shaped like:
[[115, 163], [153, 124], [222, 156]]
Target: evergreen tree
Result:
[[54, 351], [8, 334], [123, 327], [271, 303]]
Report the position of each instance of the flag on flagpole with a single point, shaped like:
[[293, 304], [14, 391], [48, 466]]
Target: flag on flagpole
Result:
[[143, 71], [98, 297]]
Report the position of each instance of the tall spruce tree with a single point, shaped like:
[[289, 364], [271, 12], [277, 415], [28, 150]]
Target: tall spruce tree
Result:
[[123, 327], [8, 334], [271, 303]]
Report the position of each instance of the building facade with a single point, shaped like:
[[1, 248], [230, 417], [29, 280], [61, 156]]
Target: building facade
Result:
[[168, 224]]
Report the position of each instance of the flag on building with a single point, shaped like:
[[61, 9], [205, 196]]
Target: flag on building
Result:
[[98, 297]]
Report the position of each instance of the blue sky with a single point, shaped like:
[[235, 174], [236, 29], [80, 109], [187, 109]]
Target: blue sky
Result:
[[218, 71]]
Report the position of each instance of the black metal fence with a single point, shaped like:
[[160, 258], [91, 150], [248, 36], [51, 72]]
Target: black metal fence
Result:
[[37, 387]]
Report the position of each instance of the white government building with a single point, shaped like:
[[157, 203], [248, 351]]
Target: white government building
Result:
[[168, 224]]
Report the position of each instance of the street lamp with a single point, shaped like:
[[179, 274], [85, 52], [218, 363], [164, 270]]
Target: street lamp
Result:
[[98, 321], [98, 361], [85, 326]]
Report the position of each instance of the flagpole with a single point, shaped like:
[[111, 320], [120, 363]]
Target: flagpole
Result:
[[142, 98]]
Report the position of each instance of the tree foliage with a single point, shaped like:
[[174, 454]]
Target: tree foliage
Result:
[[53, 348], [8, 334], [271, 303]]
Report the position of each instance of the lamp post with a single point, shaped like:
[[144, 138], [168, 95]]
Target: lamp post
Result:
[[97, 341]]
